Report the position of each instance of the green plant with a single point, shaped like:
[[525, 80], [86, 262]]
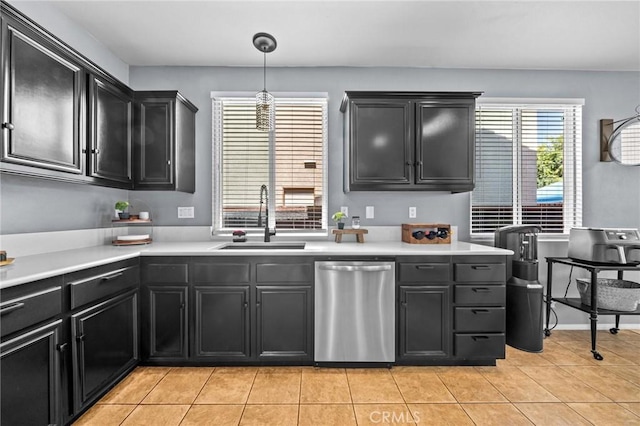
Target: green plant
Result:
[[338, 216], [122, 205]]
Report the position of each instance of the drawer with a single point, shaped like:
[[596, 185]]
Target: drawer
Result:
[[479, 272], [96, 287], [284, 272], [424, 272], [170, 273], [17, 314], [481, 320], [479, 346], [221, 273], [480, 294]]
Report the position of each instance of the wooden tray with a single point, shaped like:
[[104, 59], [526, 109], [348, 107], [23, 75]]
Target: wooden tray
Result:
[[9, 261]]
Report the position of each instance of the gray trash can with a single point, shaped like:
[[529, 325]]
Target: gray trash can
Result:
[[524, 315]]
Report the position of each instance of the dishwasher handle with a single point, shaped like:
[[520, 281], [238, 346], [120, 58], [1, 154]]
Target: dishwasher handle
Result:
[[355, 268]]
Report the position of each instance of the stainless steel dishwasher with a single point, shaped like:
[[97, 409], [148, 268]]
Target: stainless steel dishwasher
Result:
[[354, 312]]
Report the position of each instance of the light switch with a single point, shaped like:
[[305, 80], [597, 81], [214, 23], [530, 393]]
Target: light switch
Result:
[[345, 210], [186, 212], [369, 212]]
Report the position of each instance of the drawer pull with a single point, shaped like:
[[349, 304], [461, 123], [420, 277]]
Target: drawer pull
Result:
[[13, 307], [421, 267], [480, 289], [80, 338], [481, 267], [480, 311], [476, 338], [111, 277], [61, 347]]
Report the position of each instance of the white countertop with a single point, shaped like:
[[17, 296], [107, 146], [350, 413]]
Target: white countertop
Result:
[[31, 268]]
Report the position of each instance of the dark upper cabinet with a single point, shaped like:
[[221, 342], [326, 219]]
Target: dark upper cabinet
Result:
[[110, 131], [381, 149], [409, 141], [42, 108], [164, 141]]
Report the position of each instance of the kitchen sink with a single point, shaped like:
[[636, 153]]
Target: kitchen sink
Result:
[[263, 246]]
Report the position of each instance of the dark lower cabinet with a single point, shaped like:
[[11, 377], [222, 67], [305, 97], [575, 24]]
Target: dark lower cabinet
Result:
[[30, 376], [167, 316], [425, 322], [222, 323], [105, 346], [284, 323]]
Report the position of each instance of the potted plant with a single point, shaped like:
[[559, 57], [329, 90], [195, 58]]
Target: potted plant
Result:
[[121, 207], [337, 218]]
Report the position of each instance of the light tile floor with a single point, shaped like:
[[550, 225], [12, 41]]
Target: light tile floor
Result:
[[563, 385]]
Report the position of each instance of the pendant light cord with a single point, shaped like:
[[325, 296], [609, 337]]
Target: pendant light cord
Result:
[[265, 70]]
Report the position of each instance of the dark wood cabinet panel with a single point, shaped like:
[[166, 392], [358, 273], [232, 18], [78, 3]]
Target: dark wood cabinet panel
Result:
[[105, 346], [164, 141], [110, 130], [31, 377], [167, 320], [381, 149], [414, 141], [425, 322], [222, 323], [284, 323], [445, 144], [43, 111]]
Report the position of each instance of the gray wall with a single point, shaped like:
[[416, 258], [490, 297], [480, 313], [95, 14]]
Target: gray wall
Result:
[[611, 192]]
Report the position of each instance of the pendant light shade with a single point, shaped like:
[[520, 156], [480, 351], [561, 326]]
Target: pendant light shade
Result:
[[265, 105]]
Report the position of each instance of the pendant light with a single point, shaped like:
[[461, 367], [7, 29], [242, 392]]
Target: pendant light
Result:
[[265, 105]]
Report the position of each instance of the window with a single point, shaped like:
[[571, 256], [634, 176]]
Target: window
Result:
[[290, 161], [528, 165]]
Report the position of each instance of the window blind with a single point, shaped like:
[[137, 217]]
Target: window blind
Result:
[[290, 161], [528, 167]]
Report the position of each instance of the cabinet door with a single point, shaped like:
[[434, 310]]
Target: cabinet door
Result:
[[105, 345], [381, 145], [154, 144], [284, 322], [167, 316], [42, 105], [445, 144], [30, 376], [425, 322], [110, 127], [222, 322]]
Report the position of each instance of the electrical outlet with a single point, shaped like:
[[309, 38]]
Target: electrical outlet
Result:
[[186, 212], [412, 212], [553, 304], [345, 210], [369, 212]]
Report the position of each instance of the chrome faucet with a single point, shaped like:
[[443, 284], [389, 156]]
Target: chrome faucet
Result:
[[267, 232]]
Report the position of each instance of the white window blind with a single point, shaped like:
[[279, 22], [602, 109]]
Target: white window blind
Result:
[[290, 161], [528, 167]]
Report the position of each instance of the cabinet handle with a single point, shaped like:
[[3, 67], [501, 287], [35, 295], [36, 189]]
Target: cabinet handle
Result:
[[169, 163], [8, 126], [481, 289], [246, 305], [409, 163], [80, 338], [424, 266], [403, 304], [111, 277], [13, 307], [481, 267], [95, 151], [419, 163], [182, 305], [480, 311], [61, 347], [479, 337]]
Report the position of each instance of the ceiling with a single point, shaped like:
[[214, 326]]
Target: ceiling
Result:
[[558, 35]]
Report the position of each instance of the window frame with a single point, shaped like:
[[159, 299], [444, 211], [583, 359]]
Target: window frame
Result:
[[572, 178], [217, 170]]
